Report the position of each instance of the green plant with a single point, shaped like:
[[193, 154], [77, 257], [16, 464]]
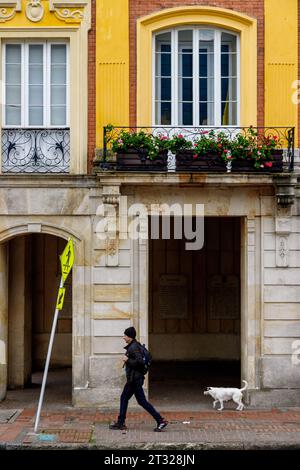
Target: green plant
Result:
[[140, 141], [211, 142], [256, 146], [179, 142]]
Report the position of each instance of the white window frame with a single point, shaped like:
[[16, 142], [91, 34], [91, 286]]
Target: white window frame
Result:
[[46, 84], [217, 75]]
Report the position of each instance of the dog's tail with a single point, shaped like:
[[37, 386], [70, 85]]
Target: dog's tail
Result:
[[246, 385]]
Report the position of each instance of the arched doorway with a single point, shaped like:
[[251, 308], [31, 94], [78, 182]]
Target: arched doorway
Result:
[[32, 280]]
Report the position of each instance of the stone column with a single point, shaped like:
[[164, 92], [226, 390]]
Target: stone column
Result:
[[249, 303], [3, 319], [19, 314]]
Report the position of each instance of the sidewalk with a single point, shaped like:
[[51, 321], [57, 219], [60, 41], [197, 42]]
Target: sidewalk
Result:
[[88, 429]]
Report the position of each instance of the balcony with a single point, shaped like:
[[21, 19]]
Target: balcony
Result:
[[35, 150], [197, 149]]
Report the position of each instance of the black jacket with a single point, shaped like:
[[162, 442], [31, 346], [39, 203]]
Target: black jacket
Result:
[[135, 364]]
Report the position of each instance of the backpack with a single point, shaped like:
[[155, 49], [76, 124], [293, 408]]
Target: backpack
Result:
[[147, 358]]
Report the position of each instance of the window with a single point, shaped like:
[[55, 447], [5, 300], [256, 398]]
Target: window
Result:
[[196, 77], [36, 84]]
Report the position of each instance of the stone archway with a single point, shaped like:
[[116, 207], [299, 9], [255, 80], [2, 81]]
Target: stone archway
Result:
[[78, 357]]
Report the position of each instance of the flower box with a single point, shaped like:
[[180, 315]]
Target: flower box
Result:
[[138, 160], [185, 161], [247, 164]]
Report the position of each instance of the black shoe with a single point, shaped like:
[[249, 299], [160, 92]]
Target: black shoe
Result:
[[117, 425], [160, 426]]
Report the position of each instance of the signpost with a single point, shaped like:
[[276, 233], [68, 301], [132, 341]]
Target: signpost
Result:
[[66, 261]]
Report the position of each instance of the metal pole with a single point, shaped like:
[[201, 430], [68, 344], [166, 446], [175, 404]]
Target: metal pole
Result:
[[47, 363]]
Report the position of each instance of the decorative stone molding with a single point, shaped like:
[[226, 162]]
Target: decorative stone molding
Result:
[[283, 228], [69, 11], [8, 9], [111, 200], [285, 189], [34, 10]]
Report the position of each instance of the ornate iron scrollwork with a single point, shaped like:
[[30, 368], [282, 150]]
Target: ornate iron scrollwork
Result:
[[35, 150]]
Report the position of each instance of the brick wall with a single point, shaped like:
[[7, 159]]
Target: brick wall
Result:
[[92, 89], [253, 8]]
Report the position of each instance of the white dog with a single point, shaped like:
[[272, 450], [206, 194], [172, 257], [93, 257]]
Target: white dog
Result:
[[221, 394]]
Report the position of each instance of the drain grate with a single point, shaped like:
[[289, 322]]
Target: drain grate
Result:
[[8, 416]]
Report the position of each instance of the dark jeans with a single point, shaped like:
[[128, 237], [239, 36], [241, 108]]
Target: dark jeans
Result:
[[136, 388]]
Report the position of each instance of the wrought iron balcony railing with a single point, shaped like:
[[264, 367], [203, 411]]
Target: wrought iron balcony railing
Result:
[[284, 139], [35, 150]]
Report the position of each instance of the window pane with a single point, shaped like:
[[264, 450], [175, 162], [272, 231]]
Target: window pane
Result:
[[13, 115], [35, 95], [13, 95], [58, 74], [206, 114], [13, 74], [35, 85], [163, 113], [228, 55], [58, 95], [163, 41], [13, 85], [13, 53], [228, 89], [185, 114], [163, 87], [229, 113], [185, 91], [58, 54], [58, 89], [185, 64], [228, 40], [185, 51], [206, 53], [36, 54], [58, 115], [206, 92], [206, 63], [35, 115], [185, 37]]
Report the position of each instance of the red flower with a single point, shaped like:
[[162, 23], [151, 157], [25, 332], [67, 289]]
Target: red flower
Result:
[[269, 164], [180, 136], [195, 156]]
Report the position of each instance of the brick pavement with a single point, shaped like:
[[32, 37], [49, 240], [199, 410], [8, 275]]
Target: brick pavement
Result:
[[187, 430]]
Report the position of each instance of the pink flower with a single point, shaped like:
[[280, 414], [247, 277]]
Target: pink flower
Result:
[[229, 157], [163, 137], [225, 150], [269, 164], [204, 132], [180, 136], [195, 156], [120, 141]]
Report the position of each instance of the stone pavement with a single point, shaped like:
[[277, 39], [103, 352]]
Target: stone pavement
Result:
[[88, 428]]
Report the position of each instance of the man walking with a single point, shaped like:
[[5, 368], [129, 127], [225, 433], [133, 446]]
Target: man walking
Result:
[[133, 361]]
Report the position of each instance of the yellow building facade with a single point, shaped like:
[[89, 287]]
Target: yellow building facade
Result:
[[231, 305]]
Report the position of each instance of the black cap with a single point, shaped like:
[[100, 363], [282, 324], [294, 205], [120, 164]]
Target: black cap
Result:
[[130, 332]]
